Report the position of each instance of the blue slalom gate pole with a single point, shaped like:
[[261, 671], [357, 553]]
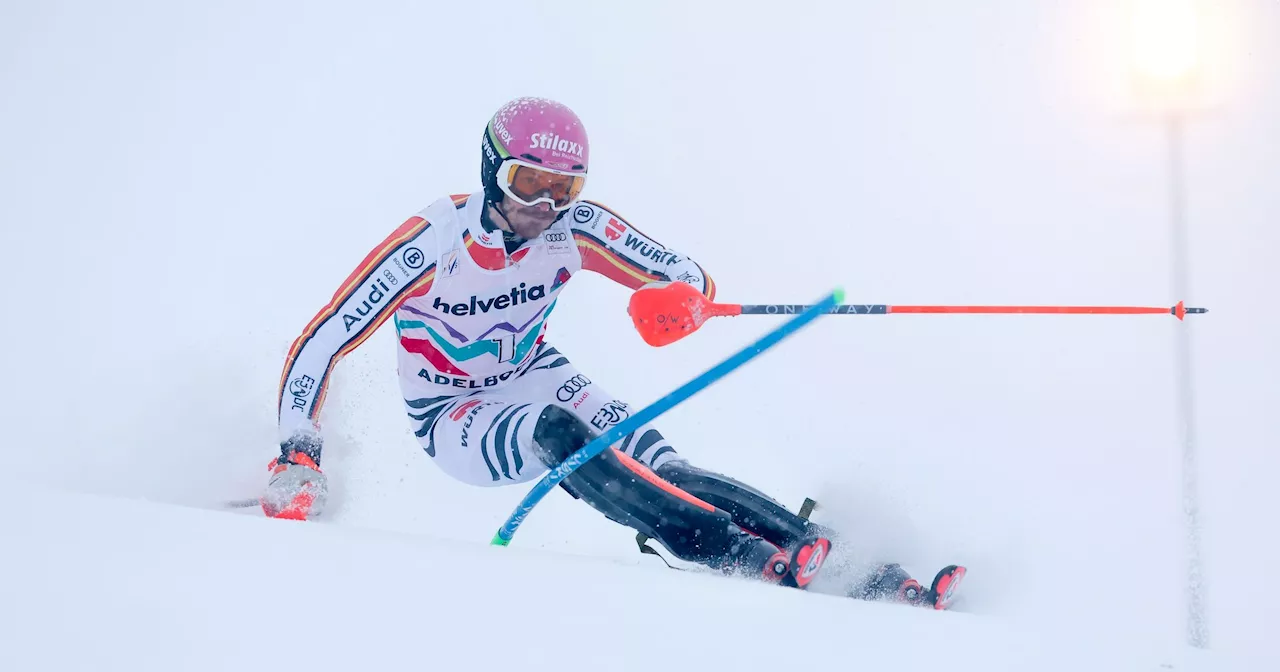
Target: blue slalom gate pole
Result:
[[614, 434]]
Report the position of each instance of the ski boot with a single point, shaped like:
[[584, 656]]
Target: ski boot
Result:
[[756, 558], [796, 567], [892, 584], [807, 558]]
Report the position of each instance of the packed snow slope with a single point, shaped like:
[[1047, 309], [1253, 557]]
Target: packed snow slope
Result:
[[183, 186], [94, 583]]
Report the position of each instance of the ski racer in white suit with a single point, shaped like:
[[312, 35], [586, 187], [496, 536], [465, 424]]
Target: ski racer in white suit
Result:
[[469, 283]]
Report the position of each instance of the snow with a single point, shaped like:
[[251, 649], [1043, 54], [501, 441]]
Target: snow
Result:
[[114, 584], [182, 186]]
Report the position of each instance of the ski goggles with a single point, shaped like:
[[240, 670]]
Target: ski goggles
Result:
[[529, 184]]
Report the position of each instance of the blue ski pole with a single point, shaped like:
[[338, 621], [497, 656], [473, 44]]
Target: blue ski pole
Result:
[[614, 434]]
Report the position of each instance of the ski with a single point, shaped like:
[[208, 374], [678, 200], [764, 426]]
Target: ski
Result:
[[942, 593]]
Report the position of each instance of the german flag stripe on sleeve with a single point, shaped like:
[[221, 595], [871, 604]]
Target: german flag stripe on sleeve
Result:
[[710, 288], [421, 286], [413, 227], [598, 257]]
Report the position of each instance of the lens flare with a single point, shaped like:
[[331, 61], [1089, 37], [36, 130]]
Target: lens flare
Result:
[[1165, 39]]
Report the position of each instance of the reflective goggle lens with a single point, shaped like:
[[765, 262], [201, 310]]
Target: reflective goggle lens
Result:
[[529, 184]]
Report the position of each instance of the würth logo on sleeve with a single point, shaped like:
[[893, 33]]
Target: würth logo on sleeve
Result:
[[614, 229], [649, 251]]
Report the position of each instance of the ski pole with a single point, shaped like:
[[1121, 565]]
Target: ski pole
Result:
[[1180, 311], [665, 315], [617, 432], [242, 503]]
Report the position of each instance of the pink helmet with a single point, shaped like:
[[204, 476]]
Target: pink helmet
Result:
[[534, 131]]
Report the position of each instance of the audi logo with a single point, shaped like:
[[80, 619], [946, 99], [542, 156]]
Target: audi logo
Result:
[[572, 386], [556, 236]]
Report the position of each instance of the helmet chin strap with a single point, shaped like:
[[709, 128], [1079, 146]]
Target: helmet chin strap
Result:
[[488, 222], [510, 239], [508, 232]]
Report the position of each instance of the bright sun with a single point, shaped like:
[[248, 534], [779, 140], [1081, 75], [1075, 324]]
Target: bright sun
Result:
[[1165, 44]]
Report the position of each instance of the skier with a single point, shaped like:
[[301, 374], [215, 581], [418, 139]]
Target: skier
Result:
[[470, 282]]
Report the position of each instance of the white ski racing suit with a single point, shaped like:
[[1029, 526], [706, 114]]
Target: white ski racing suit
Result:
[[474, 365]]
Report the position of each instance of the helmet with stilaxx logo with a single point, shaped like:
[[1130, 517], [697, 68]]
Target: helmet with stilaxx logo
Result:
[[534, 150]]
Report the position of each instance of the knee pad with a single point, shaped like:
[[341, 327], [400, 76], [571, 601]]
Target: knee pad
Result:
[[888, 582], [557, 435], [628, 493], [751, 509]]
